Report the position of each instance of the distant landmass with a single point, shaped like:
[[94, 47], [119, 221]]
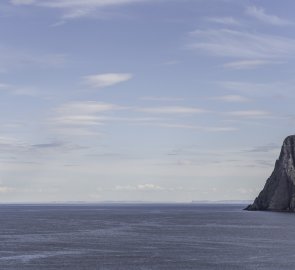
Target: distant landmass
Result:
[[223, 202], [278, 193]]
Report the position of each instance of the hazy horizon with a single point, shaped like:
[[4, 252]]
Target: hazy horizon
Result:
[[244, 202], [136, 100]]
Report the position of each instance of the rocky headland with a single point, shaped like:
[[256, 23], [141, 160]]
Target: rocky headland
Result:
[[278, 193]]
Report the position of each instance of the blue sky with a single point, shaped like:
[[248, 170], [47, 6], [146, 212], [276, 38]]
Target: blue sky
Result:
[[143, 100]]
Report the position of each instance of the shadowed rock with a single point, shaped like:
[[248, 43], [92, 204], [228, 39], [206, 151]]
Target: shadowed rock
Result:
[[278, 193]]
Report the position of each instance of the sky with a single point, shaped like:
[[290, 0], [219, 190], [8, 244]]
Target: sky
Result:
[[143, 100]]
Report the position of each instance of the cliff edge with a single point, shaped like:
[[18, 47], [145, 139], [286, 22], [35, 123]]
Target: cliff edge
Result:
[[278, 193]]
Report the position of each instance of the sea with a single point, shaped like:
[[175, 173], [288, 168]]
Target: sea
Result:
[[144, 236]]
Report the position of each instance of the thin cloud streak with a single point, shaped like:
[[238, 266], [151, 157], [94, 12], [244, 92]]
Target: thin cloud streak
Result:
[[91, 114], [73, 9], [72, 3], [87, 113], [192, 127], [154, 98], [172, 110], [265, 148], [257, 89], [107, 79], [140, 187], [18, 91], [84, 118], [28, 150], [12, 58], [261, 15], [250, 113], [249, 64], [239, 44], [232, 98], [223, 20], [86, 107]]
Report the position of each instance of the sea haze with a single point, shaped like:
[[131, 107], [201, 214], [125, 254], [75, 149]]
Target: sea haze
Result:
[[146, 236]]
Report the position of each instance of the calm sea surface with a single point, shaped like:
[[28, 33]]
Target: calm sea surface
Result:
[[190, 236]]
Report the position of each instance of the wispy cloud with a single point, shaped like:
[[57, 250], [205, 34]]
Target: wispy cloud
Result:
[[191, 127], [232, 98], [245, 45], [250, 113], [87, 113], [155, 98], [26, 151], [86, 107], [19, 91], [265, 148], [8, 142], [80, 119], [140, 187], [74, 8], [83, 118], [22, 2], [55, 144], [223, 20], [91, 114], [150, 187], [72, 3], [270, 88], [261, 15], [106, 79], [172, 110], [12, 58], [249, 64]]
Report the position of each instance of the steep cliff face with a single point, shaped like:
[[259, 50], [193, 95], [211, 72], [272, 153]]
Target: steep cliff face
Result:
[[278, 193]]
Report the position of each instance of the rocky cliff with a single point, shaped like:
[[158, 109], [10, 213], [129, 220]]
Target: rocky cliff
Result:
[[278, 193]]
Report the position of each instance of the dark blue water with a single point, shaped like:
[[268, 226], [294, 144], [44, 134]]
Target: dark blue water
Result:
[[38, 237]]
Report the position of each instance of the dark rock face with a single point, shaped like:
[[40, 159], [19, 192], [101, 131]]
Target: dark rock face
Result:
[[278, 193]]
